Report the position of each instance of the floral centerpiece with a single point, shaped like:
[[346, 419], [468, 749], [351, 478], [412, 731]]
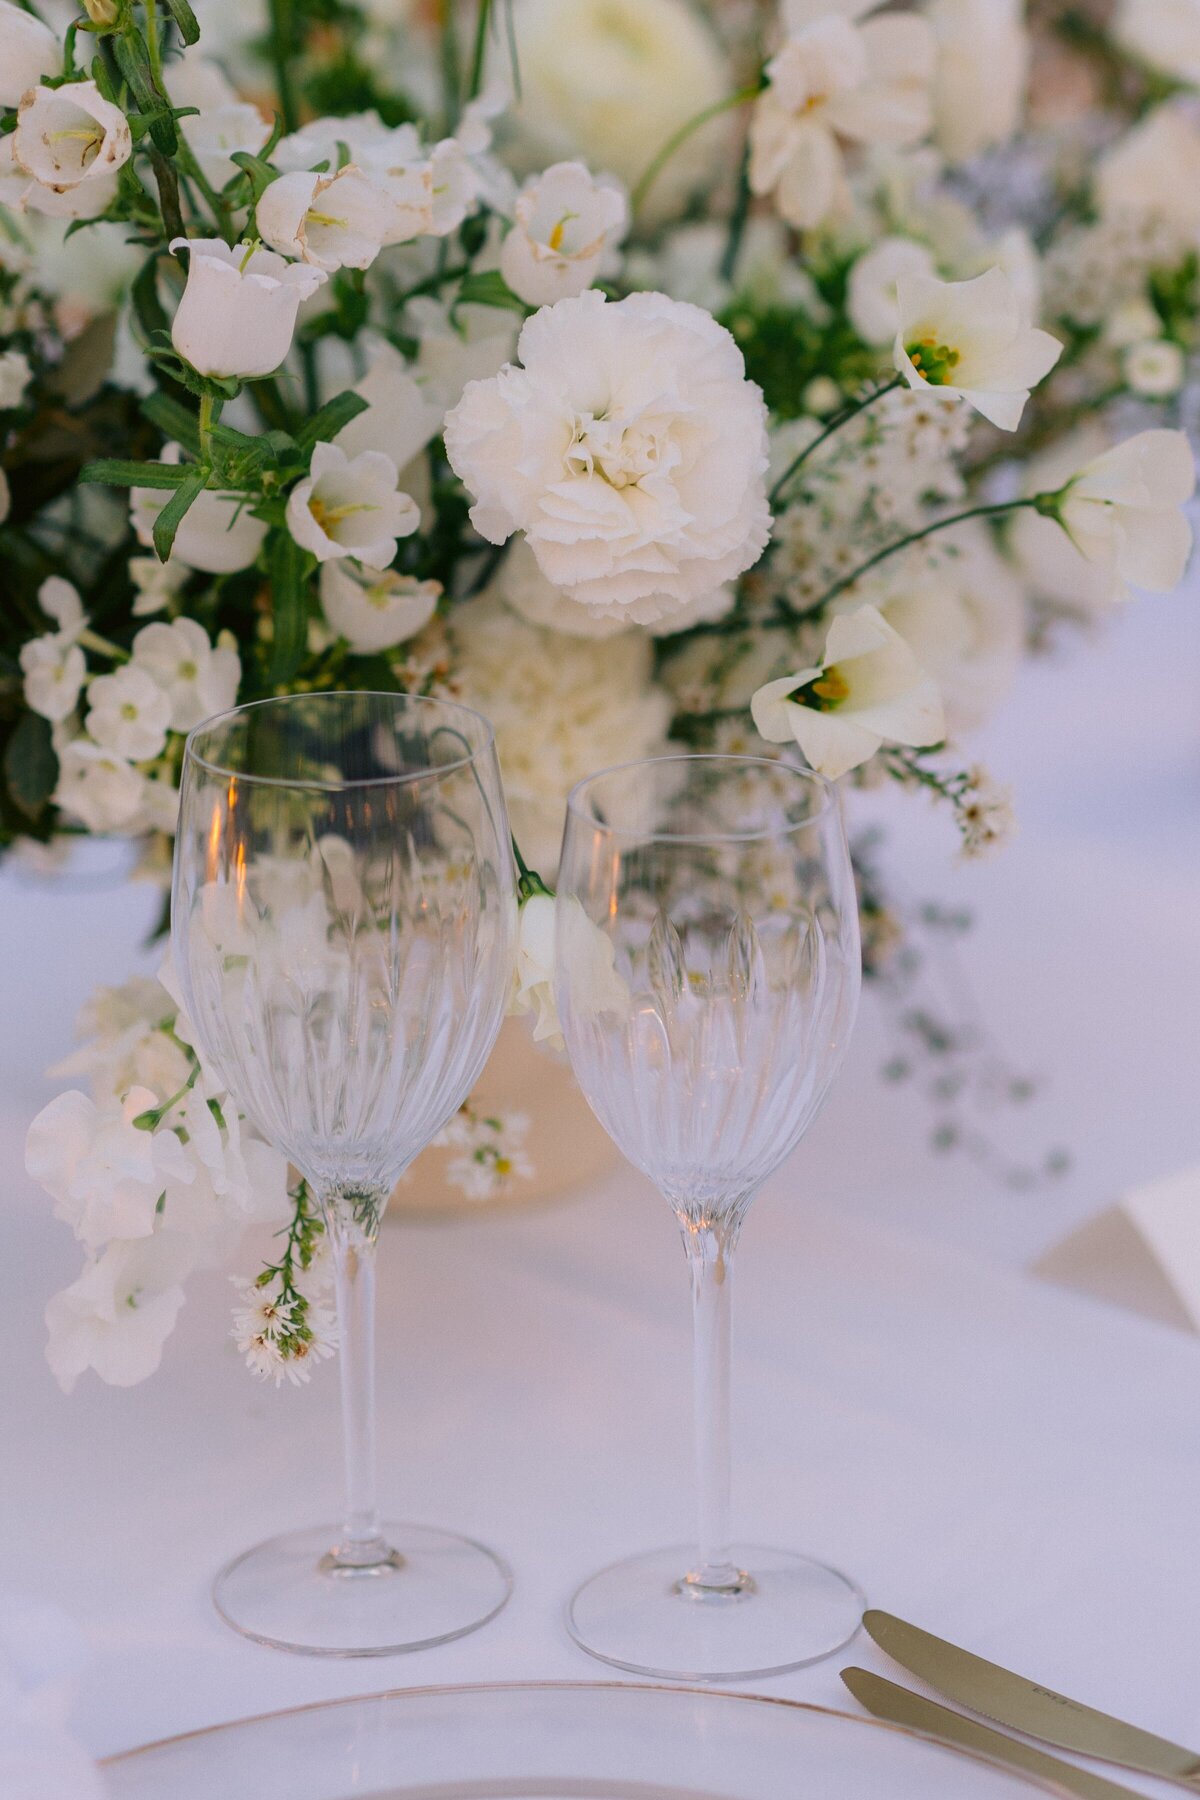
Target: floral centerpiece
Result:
[[771, 379]]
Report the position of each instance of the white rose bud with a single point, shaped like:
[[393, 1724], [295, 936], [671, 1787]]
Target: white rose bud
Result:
[[70, 136], [238, 311], [28, 50]]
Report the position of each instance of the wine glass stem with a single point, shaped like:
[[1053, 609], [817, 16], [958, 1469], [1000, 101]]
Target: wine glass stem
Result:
[[710, 1259], [361, 1545]]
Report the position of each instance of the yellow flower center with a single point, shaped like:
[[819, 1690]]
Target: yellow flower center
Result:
[[934, 362], [329, 516], [555, 239]]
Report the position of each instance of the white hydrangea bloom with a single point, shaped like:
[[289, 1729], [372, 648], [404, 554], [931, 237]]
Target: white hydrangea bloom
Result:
[[629, 448]]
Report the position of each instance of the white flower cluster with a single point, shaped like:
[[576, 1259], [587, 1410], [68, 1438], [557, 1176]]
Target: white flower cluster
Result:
[[156, 1175], [490, 1153]]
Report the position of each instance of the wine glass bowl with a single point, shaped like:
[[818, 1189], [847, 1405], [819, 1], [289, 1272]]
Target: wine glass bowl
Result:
[[707, 975], [343, 923]]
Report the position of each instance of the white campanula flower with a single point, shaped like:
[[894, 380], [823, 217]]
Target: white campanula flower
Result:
[[97, 787], [1124, 510], [20, 191], [197, 678], [1156, 368], [218, 535], [456, 347], [533, 981], [215, 133], [351, 506], [15, 376], [393, 158], [1153, 171], [566, 222], [103, 1172], [128, 713], [331, 221], [868, 690], [401, 419], [375, 609], [70, 135], [238, 311], [116, 1318], [974, 339], [28, 50], [611, 80], [982, 73], [629, 448], [835, 83], [1163, 33], [872, 299]]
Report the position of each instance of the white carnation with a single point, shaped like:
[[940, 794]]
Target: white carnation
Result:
[[630, 449], [562, 707]]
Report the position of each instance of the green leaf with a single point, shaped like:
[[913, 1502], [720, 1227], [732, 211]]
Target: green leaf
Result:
[[133, 60], [30, 765], [261, 173], [489, 288], [185, 18], [110, 471], [173, 513], [333, 417], [289, 604], [174, 420]]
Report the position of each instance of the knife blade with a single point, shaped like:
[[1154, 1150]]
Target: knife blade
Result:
[[899, 1706], [1027, 1706]]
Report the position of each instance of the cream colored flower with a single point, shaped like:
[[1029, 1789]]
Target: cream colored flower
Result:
[[331, 221], [400, 420], [1154, 171], [834, 84], [1163, 33], [1156, 368], [128, 713], [239, 307], [53, 668], [868, 690], [216, 133], [70, 135], [392, 158], [872, 300], [973, 338], [566, 222], [28, 50], [533, 989], [630, 449], [15, 376], [19, 190], [982, 73], [198, 678], [611, 80], [375, 609], [118, 1315], [98, 788], [351, 507], [562, 707], [1124, 510], [218, 535]]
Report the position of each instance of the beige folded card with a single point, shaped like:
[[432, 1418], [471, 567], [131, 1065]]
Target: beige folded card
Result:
[[1143, 1253]]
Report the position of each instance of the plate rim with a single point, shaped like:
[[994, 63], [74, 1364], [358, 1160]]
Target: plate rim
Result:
[[439, 1689]]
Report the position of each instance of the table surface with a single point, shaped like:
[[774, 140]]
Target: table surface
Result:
[[1004, 1462]]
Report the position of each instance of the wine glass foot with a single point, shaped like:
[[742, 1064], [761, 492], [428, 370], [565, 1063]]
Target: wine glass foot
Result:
[[292, 1594], [642, 1615]]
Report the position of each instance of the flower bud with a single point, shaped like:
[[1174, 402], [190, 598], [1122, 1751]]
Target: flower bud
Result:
[[101, 12]]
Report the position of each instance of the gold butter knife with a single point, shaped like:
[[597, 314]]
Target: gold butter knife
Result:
[[1027, 1706], [901, 1707]]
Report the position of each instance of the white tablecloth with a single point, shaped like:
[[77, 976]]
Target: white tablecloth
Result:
[[1001, 1461]]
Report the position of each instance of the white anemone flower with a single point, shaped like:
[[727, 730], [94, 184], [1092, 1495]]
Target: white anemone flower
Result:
[[836, 83], [869, 690], [1123, 511], [28, 50], [375, 609], [1163, 33], [128, 713], [629, 448], [982, 73], [330, 221], [70, 135], [197, 677], [974, 339], [566, 221], [351, 506], [238, 311], [872, 297], [218, 534]]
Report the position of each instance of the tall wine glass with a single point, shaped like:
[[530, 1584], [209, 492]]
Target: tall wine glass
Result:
[[708, 969], [343, 922]]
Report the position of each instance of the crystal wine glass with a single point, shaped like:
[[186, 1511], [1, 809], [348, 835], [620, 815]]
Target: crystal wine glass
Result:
[[708, 969], [343, 923]]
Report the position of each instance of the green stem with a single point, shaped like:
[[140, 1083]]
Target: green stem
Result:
[[153, 47], [194, 173], [738, 218], [451, 60], [281, 62], [210, 412], [479, 54], [834, 425], [91, 640], [1038, 502], [678, 138]]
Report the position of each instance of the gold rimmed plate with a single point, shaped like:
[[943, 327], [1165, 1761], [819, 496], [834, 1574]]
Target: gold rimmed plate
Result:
[[558, 1741]]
